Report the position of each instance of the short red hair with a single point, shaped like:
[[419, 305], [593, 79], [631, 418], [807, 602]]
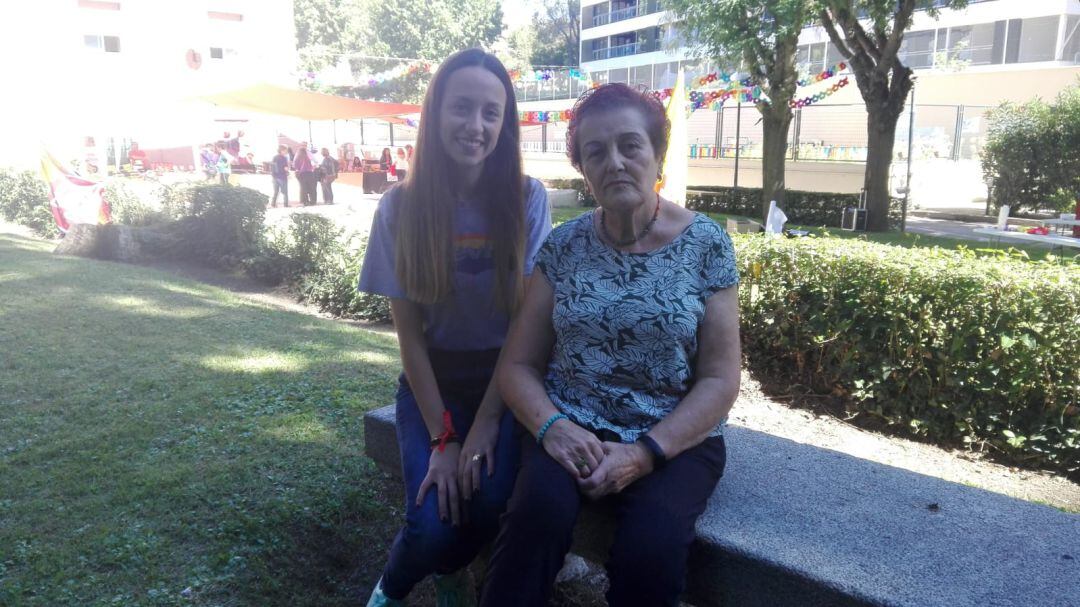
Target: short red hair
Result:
[[614, 96]]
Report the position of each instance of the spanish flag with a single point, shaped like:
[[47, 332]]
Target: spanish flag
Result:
[[73, 199], [673, 184]]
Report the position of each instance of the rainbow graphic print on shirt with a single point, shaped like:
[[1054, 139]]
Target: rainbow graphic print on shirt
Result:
[[474, 258]]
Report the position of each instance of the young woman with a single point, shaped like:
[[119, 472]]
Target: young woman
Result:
[[451, 247]]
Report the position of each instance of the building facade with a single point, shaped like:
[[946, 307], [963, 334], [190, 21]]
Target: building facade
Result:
[[115, 70], [966, 61]]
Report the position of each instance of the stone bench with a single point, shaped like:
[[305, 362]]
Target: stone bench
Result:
[[793, 524]]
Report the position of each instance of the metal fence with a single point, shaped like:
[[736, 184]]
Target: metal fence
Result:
[[820, 133]]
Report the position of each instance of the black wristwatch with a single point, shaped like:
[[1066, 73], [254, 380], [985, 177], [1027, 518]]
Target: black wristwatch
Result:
[[658, 457]]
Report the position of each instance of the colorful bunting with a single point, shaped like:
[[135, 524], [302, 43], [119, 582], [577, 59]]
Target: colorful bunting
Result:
[[812, 99]]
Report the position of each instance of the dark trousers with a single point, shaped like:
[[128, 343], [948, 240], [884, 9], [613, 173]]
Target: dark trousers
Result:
[[307, 188], [327, 190], [427, 544], [281, 184], [654, 518]]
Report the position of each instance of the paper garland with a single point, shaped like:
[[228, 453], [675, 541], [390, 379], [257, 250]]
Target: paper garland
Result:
[[550, 116], [742, 89], [544, 75], [421, 67], [824, 75], [812, 99]]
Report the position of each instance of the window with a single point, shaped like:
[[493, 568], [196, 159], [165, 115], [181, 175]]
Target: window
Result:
[[1038, 39], [917, 49], [664, 75], [618, 75], [641, 76], [1070, 50], [108, 44], [217, 52], [972, 43]]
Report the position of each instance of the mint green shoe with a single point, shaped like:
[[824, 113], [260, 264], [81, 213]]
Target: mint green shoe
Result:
[[378, 599], [454, 590]]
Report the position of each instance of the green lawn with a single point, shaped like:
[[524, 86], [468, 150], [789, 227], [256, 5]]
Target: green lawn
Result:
[[163, 442]]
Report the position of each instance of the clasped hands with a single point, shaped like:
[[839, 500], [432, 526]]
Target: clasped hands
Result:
[[599, 467]]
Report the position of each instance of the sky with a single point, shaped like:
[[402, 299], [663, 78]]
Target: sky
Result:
[[518, 12]]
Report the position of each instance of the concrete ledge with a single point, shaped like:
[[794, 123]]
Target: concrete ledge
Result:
[[562, 198], [793, 524]]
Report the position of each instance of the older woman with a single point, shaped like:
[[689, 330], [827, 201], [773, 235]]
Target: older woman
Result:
[[623, 365]]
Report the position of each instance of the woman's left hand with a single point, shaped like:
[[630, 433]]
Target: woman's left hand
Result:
[[622, 465], [479, 447]]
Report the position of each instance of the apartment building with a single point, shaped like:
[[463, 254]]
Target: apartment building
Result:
[[966, 61]]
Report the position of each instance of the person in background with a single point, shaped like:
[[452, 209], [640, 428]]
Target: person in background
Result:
[[305, 174], [386, 160], [279, 171], [408, 152], [329, 166], [224, 164], [357, 163], [137, 157], [401, 165], [451, 247], [209, 159]]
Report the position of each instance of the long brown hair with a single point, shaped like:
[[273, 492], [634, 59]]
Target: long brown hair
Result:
[[424, 247]]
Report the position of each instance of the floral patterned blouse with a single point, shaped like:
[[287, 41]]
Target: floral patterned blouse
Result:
[[626, 324]]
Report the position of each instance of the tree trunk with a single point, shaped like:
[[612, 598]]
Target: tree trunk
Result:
[[773, 157], [881, 136]]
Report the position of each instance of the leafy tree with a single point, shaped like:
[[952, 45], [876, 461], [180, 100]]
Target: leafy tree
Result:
[[1032, 153], [325, 29], [760, 36], [515, 49], [558, 33], [408, 29], [868, 34]]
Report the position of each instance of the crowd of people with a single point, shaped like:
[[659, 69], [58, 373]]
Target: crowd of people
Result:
[[542, 368]]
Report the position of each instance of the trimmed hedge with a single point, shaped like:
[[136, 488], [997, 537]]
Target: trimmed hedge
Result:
[[802, 208], [958, 349], [585, 199]]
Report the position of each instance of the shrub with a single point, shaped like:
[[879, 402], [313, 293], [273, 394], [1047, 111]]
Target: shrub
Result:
[[298, 249], [24, 199], [938, 343], [1032, 153], [332, 287], [135, 203], [803, 208], [219, 225]]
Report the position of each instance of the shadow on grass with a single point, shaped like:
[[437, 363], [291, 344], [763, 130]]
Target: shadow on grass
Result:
[[163, 442]]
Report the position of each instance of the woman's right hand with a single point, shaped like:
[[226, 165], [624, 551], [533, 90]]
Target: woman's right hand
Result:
[[442, 474], [575, 448]]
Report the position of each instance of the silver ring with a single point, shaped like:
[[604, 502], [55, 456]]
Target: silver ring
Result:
[[476, 457]]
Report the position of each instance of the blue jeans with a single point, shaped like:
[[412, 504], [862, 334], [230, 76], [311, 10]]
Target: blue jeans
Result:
[[281, 184], [654, 527], [426, 544]]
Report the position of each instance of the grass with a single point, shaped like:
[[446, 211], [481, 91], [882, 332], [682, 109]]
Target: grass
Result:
[[906, 240], [163, 442]]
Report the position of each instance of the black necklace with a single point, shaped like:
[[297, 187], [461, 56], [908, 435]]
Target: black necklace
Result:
[[644, 231]]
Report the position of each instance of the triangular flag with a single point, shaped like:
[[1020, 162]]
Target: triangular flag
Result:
[[673, 184]]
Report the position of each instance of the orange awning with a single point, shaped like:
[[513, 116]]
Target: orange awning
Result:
[[270, 99]]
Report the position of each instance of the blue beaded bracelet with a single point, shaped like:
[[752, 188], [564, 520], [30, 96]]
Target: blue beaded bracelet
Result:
[[547, 424]]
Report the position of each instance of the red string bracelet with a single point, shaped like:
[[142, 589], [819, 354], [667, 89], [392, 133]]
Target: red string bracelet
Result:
[[448, 434]]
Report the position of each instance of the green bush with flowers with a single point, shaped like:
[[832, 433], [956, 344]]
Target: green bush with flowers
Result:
[[942, 344]]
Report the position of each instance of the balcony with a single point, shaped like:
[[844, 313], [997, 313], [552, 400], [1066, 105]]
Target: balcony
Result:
[[642, 8], [623, 50]]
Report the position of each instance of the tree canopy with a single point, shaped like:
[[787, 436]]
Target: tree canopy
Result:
[[403, 29]]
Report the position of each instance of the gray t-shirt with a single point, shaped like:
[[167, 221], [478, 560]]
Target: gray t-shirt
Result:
[[469, 319]]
